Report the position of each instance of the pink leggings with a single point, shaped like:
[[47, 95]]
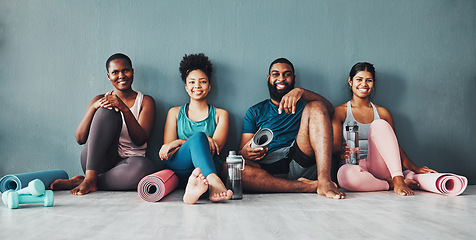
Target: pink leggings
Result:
[[383, 161]]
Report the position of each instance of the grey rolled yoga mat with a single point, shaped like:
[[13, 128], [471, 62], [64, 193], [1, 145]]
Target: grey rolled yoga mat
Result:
[[18, 181], [262, 138]]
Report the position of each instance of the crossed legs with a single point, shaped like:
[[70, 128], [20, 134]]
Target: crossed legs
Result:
[[314, 139], [102, 167], [382, 170], [194, 160]]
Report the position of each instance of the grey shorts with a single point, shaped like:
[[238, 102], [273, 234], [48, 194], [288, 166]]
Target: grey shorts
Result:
[[293, 166]]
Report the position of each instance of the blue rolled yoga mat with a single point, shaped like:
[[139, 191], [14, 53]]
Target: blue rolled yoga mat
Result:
[[18, 181]]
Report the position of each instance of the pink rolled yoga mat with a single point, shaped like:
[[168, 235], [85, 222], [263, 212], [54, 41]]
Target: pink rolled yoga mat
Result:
[[443, 183], [155, 186]]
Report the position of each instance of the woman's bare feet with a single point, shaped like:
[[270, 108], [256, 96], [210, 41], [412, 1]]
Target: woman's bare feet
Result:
[[412, 184], [196, 186], [89, 184], [400, 187], [66, 184], [217, 190]]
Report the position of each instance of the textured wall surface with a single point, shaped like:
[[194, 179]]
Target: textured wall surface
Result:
[[53, 63]]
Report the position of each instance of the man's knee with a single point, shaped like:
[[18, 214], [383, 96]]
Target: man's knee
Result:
[[250, 170], [316, 107]]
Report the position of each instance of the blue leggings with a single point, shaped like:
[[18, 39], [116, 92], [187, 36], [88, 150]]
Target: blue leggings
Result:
[[195, 152]]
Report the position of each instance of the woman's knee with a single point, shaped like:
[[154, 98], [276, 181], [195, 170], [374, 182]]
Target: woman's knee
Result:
[[198, 139], [106, 118], [350, 177], [141, 166], [380, 124], [199, 136], [106, 113], [355, 178]]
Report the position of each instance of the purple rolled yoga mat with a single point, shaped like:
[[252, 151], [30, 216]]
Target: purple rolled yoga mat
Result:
[[155, 186], [18, 181]]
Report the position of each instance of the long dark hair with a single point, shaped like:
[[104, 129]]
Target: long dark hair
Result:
[[362, 66]]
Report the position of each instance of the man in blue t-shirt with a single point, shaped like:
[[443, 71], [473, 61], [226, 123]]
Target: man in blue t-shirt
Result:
[[301, 149]]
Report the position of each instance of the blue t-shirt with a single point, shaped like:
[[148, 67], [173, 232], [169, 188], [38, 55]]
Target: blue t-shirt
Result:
[[285, 126]]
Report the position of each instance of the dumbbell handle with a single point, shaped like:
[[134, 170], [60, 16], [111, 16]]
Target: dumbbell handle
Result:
[[35, 188], [14, 199]]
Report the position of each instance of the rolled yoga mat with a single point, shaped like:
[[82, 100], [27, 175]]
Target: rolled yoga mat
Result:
[[155, 186], [442, 183], [262, 138], [18, 181]]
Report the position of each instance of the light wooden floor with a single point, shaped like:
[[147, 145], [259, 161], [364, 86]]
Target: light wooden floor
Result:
[[123, 215]]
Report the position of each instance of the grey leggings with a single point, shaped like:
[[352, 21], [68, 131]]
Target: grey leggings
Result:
[[100, 154]]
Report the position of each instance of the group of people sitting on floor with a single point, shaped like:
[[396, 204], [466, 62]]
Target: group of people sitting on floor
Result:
[[308, 133]]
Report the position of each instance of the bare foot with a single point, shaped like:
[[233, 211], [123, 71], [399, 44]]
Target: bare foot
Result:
[[217, 189], [89, 184], [412, 184], [85, 187], [400, 187], [196, 186], [311, 183], [66, 184], [329, 189]]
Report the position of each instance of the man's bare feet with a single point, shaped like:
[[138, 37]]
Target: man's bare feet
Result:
[[196, 186], [400, 187], [329, 189], [88, 185], [311, 183], [66, 184], [217, 190]]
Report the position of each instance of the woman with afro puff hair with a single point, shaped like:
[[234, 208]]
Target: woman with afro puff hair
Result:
[[195, 133]]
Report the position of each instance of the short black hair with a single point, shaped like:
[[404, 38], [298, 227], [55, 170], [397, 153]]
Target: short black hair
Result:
[[117, 56], [281, 60], [193, 62]]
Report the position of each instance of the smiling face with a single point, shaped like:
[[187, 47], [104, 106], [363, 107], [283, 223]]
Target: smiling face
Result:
[[121, 74], [197, 85], [280, 80], [362, 84]]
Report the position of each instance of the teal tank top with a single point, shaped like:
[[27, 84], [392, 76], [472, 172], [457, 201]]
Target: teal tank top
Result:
[[187, 128]]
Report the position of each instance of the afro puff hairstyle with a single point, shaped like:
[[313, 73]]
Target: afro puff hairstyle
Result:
[[195, 62]]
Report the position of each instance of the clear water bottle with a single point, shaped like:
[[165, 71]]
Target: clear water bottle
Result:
[[352, 131], [235, 164]]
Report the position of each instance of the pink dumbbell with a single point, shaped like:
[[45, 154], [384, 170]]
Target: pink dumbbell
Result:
[[13, 199]]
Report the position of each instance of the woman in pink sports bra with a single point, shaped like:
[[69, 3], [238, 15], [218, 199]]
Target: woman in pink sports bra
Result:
[[382, 167]]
